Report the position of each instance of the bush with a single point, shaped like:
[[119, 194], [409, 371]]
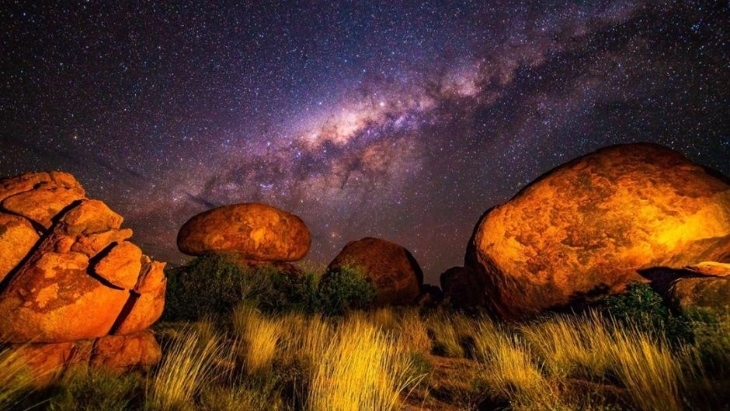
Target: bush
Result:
[[208, 285], [345, 289], [214, 285], [641, 307]]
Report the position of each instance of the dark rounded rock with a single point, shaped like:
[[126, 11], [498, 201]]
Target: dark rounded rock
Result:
[[391, 268]]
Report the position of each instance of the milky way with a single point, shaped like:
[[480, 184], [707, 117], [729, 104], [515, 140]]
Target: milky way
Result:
[[404, 121]]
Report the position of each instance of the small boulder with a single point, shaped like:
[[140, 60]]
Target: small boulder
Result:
[[583, 230], [123, 353], [147, 301], [254, 231], [393, 271], [462, 286], [704, 287], [710, 294]]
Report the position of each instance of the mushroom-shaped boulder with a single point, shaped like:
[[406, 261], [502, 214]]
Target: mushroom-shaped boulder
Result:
[[253, 231]]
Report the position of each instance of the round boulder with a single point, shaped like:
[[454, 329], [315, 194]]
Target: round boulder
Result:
[[583, 230], [254, 231], [393, 271]]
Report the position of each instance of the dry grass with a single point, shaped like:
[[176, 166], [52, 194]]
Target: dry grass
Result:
[[444, 335], [15, 377], [373, 360], [650, 371], [413, 332], [259, 335], [189, 364], [570, 346], [531, 365], [510, 371], [362, 369]]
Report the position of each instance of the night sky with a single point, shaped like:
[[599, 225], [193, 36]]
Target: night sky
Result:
[[400, 120]]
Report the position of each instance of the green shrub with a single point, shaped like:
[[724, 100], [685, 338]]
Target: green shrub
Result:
[[641, 307], [208, 285], [213, 285], [344, 290]]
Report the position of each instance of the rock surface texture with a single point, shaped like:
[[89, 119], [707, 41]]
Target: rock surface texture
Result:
[[253, 231], [393, 271], [68, 275], [586, 228]]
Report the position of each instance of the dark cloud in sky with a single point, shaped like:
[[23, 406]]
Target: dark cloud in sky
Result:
[[402, 120]]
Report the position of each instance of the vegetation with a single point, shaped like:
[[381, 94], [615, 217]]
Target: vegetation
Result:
[[641, 307], [286, 355], [214, 285]]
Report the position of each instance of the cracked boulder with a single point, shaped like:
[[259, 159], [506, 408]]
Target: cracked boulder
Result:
[[251, 231], [67, 270], [584, 230]]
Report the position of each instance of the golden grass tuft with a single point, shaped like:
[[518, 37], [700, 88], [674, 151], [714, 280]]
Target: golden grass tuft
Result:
[[188, 365], [650, 371], [15, 377], [413, 332], [362, 369], [444, 335], [511, 372], [571, 346], [259, 335]]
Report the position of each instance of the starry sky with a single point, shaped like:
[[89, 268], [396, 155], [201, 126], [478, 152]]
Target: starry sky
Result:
[[404, 120]]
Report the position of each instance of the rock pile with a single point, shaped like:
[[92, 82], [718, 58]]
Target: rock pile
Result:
[[73, 289], [586, 229], [393, 271]]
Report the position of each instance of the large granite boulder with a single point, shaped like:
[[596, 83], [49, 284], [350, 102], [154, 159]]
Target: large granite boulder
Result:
[[584, 230], [253, 231], [393, 271], [67, 270]]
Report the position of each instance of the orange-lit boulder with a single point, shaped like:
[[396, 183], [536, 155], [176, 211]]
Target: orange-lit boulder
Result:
[[121, 265], [254, 231], [393, 271], [17, 238], [90, 217], [116, 354], [65, 288], [583, 230], [147, 301], [79, 278], [38, 181], [122, 353], [40, 196], [53, 299]]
